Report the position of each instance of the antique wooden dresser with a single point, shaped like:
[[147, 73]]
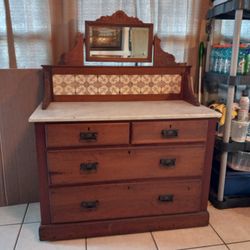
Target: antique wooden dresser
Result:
[[121, 149]]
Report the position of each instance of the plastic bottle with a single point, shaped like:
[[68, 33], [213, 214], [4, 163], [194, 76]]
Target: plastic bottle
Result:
[[247, 65], [217, 58], [212, 59], [241, 61], [221, 60], [244, 106], [248, 130], [227, 63]]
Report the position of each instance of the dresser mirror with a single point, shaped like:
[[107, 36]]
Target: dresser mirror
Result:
[[118, 39]]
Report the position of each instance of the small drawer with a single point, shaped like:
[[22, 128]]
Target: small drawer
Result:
[[169, 131], [98, 202], [87, 166], [87, 134]]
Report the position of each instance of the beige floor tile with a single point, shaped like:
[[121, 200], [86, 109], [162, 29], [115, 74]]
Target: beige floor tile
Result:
[[186, 238], [33, 213], [142, 241], [12, 214], [8, 236], [28, 240], [239, 246], [233, 225], [221, 247]]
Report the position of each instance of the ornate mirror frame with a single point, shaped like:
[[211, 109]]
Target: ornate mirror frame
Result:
[[118, 19]]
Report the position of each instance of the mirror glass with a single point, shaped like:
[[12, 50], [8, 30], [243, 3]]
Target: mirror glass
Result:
[[119, 42]]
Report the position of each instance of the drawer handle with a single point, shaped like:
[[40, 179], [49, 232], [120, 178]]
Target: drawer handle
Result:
[[88, 136], [167, 163], [90, 166], [169, 133], [166, 198], [89, 204]]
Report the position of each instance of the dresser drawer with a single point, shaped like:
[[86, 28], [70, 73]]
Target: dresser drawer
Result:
[[84, 166], [85, 203], [169, 131], [87, 134]]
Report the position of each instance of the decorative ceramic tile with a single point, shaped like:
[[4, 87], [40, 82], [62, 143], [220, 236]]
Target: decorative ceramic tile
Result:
[[156, 79], [64, 84], [116, 84]]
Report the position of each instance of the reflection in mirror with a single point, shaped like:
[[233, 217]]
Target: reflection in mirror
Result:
[[119, 42]]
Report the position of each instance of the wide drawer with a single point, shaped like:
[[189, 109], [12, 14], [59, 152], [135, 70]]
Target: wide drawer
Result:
[[169, 131], [87, 134], [85, 203], [84, 166]]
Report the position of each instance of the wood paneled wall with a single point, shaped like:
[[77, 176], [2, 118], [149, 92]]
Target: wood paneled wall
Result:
[[2, 193], [20, 93]]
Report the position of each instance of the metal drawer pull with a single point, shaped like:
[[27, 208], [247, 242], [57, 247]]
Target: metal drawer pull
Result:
[[167, 163], [90, 166], [88, 136], [166, 198], [89, 204], [169, 133]]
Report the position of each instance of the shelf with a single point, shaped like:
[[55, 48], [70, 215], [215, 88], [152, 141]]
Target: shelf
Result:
[[231, 146], [225, 79], [232, 10], [236, 193], [227, 10], [229, 201]]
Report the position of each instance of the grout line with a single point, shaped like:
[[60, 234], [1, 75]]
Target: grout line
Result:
[[11, 224], [219, 236], [86, 244], [215, 245], [18, 234], [31, 222], [236, 242], [153, 238]]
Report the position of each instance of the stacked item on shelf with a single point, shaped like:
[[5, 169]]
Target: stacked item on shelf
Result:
[[216, 78], [240, 160], [220, 59], [237, 179], [237, 182]]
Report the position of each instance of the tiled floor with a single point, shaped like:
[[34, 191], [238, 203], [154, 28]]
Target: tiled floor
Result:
[[228, 229]]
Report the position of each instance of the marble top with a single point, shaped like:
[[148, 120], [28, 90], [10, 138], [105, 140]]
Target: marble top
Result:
[[111, 111]]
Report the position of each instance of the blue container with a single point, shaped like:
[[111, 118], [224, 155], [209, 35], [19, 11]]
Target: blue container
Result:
[[236, 183]]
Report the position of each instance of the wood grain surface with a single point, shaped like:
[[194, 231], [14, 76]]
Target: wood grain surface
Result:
[[124, 200], [21, 92], [65, 135], [117, 164]]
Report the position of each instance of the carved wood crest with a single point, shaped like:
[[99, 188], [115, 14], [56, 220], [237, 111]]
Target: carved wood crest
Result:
[[119, 17]]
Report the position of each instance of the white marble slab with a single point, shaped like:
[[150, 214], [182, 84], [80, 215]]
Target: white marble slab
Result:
[[110, 111]]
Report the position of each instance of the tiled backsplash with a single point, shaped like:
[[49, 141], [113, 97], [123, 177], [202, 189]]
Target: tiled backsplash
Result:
[[116, 84]]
